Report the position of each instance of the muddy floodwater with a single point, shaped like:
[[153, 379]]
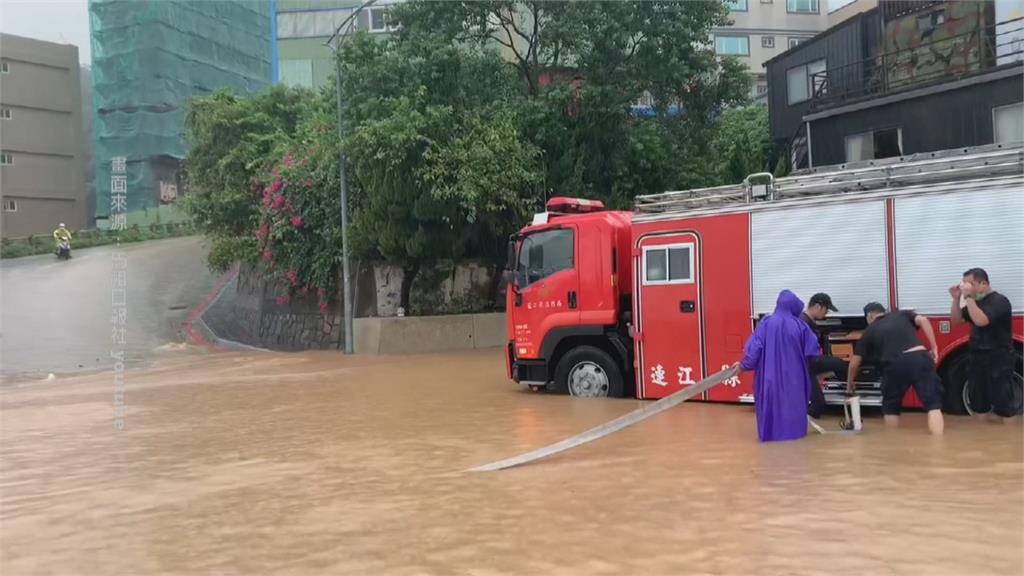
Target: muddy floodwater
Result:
[[319, 464]]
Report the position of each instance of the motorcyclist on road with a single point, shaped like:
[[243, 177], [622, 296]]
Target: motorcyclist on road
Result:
[[61, 234]]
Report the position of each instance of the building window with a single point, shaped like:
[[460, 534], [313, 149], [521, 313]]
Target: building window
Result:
[[6, 159], [802, 6], [1008, 123], [5, 68], [873, 145], [668, 264], [543, 254], [801, 82], [732, 45], [379, 20], [5, 113], [766, 1], [736, 5], [767, 41], [794, 42], [10, 206], [762, 88]]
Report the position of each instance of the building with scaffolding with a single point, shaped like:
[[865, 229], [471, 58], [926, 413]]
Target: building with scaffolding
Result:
[[148, 60]]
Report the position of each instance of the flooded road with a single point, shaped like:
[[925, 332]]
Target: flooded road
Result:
[[320, 464], [55, 315]]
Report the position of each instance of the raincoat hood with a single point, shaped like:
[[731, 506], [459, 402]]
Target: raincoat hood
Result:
[[789, 303]]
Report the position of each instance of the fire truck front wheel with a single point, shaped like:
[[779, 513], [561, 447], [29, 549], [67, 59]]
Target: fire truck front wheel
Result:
[[588, 372]]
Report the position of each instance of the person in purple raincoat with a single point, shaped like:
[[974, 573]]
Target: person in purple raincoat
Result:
[[778, 352]]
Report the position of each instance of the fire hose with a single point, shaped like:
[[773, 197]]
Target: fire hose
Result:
[[607, 428]]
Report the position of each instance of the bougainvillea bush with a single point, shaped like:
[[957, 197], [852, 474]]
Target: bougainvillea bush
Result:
[[298, 236]]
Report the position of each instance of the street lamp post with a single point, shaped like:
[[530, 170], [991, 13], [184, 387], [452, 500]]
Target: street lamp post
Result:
[[335, 43]]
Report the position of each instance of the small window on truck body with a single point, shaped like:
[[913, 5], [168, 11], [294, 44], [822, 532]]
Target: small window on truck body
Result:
[[671, 264], [543, 254]]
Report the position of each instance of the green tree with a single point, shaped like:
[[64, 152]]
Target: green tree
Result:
[[231, 139], [434, 150], [582, 64], [741, 145]]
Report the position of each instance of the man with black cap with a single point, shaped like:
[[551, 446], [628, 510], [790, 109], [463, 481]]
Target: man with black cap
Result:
[[891, 340], [817, 309]]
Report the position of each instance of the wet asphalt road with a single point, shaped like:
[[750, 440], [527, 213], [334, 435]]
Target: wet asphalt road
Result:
[[55, 316]]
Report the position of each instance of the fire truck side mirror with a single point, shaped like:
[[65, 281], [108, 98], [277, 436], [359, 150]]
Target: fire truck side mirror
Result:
[[510, 255]]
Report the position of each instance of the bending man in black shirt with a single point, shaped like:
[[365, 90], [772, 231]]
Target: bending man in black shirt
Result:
[[817, 309], [991, 348], [891, 340]]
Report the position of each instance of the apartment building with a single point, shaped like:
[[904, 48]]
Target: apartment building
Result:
[[304, 26], [42, 180], [763, 29]]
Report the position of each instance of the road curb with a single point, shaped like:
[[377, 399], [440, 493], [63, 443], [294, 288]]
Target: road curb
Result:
[[196, 313]]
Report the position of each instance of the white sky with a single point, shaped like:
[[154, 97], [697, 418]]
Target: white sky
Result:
[[61, 21]]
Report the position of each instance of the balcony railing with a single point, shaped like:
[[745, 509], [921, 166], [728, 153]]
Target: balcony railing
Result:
[[933, 62]]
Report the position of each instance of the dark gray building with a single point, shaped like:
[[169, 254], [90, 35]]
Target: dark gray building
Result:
[[903, 78], [41, 174]]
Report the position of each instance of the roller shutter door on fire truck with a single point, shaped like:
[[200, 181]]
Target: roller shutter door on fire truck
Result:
[[939, 236], [839, 249]]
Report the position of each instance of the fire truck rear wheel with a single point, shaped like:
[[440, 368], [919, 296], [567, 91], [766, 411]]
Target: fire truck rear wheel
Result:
[[588, 372], [958, 387]]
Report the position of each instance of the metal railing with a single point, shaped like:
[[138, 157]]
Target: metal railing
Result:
[[991, 161], [942, 60]]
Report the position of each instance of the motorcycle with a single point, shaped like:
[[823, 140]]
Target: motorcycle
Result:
[[63, 250]]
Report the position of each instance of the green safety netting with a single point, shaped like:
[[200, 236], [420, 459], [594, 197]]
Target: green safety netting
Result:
[[148, 58]]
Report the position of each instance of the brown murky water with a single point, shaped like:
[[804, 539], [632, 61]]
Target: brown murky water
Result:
[[319, 464]]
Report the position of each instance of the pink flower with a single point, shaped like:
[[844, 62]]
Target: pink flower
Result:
[[275, 187], [268, 255], [296, 221], [287, 161], [292, 277], [277, 202], [282, 300], [322, 307]]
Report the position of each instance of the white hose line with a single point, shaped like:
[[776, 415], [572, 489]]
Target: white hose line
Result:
[[613, 426]]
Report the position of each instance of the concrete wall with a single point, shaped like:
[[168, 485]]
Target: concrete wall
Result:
[[44, 137], [422, 334], [253, 312]]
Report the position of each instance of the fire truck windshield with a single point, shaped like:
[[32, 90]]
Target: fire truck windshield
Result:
[[544, 253]]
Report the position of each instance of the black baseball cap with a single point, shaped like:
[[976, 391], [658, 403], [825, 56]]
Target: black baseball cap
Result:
[[822, 299], [874, 307]]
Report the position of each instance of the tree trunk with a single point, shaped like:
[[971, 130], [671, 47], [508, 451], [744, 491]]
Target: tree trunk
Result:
[[492, 293], [408, 276]]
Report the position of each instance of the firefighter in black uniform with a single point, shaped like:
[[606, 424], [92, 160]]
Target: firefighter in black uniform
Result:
[[991, 348]]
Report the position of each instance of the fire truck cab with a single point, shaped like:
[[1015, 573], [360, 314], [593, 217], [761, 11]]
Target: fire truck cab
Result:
[[646, 303], [569, 295]]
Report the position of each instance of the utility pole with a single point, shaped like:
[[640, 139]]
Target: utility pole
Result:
[[335, 43]]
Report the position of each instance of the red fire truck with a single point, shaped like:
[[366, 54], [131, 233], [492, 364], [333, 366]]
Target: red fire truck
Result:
[[644, 303]]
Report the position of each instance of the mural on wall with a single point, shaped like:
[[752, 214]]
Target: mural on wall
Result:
[[943, 41]]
